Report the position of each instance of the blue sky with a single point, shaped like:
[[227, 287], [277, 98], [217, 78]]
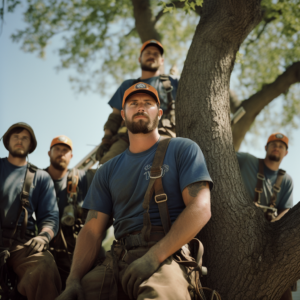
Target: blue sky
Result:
[[32, 91]]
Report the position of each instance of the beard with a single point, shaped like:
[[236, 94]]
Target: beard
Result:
[[20, 153], [58, 165], [149, 68], [274, 157], [141, 126]]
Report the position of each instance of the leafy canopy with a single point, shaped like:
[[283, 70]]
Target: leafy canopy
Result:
[[99, 40]]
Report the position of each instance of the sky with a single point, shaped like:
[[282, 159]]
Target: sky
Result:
[[32, 91]]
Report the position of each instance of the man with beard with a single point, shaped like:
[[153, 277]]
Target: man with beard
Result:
[[71, 187], [151, 59], [25, 190], [270, 187], [144, 262]]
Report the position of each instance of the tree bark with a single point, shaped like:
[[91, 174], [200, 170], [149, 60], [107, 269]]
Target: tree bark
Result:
[[255, 104], [246, 257]]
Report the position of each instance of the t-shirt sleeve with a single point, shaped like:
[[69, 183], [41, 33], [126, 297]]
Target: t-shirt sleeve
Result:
[[192, 167], [47, 210], [286, 194], [241, 156], [98, 196], [117, 98]]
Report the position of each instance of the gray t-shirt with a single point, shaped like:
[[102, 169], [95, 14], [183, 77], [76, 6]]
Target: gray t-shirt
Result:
[[249, 169]]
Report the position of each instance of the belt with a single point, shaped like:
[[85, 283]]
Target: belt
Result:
[[135, 239]]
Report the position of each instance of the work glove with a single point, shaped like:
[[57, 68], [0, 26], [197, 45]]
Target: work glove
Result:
[[39, 243], [104, 146], [137, 272], [73, 291]]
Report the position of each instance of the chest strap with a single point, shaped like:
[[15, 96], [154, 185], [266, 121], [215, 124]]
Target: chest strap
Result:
[[155, 187], [259, 184]]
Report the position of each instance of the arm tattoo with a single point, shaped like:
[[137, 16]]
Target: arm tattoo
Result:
[[195, 187], [92, 214]]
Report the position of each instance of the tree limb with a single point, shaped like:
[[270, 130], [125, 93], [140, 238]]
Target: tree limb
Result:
[[258, 101], [144, 20], [176, 4], [234, 101]]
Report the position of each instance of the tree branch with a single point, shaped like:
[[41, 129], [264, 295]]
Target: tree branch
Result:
[[258, 101], [234, 101], [144, 20], [176, 4]]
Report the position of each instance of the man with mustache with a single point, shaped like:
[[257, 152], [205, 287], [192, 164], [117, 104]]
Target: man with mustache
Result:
[[158, 192], [270, 187], [24, 191], [71, 187], [151, 59]]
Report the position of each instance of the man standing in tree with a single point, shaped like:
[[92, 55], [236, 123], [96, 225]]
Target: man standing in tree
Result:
[[71, 187], [149, 258], [270, 187], [151, 59], [25, 190]]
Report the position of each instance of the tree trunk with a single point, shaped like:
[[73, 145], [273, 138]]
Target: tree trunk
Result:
[[247, 257], [257, 102]]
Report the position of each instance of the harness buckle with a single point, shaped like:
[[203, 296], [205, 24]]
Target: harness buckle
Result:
[[276, 188], [260, 176], [170, 89], [155, 177], [162, 200], [258, 191]]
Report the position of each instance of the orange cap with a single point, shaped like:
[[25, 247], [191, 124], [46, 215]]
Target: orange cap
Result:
[[62, 139], [140, 87], [154, 43], [277, 136]]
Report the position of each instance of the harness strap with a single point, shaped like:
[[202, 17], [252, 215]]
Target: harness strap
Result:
[[155, 184], [72, 186], [166, 82], [259, 184], [260, 179], [277, 187], [28, 180]]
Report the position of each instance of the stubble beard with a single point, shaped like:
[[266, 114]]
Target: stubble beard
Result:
[[148, 68], [18, 153], [273, 157], [141, 126], [61, 166]]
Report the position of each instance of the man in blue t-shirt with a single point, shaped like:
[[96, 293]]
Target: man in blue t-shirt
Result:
[[276, 150], [142, 262], [151, 59], [38, 277], [69, 199]]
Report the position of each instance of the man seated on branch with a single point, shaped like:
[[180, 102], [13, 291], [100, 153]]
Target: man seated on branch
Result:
[[270, 188], [71, 187], [158, 192], [25, 190], [151, 59]]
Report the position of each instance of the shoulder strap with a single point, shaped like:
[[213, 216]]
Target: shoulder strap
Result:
[[155, 185], [260, 179], [166, 82], [72, 185], [28, 180], [277, 187]]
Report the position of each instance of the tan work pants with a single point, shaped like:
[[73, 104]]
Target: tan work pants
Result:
[[38, 277], [169, 282]]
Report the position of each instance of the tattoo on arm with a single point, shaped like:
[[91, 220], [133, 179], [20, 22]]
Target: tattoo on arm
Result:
[[92, 214], [195, 187]]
